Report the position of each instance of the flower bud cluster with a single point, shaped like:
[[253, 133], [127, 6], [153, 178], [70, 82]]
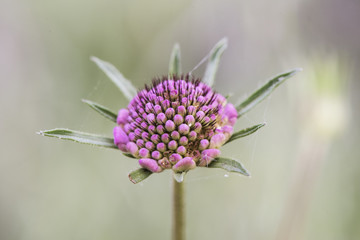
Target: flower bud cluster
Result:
[[175, 124]]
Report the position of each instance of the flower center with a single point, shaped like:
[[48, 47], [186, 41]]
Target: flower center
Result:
[[173, 119]]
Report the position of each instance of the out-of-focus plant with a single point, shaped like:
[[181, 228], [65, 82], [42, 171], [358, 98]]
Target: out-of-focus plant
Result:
[[178, 123], [323, 113]]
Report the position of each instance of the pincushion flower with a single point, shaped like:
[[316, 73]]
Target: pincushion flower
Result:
[[178, 122]]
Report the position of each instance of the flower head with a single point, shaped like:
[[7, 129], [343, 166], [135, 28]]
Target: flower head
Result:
[[177, 123]]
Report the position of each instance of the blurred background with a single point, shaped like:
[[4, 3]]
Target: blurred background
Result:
[[305, 163]]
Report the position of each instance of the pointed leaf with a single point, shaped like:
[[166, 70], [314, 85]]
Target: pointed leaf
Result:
[[116, 77], [102, 110], [213, 63], [229, 165], [245, 132], [179, 177], [80, 137], [264, 91], [175, 61], [139, 175]]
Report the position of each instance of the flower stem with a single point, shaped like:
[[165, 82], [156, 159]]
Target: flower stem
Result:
[[178, 228]]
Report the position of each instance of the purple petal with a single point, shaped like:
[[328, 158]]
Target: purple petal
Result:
[[150, 164], [184, 164], [122, 116], [132, 148], [208, 155], [120, 136], [231, 113], [217, 140]]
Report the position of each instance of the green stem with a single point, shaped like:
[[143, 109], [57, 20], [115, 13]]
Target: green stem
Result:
[[178, 228]]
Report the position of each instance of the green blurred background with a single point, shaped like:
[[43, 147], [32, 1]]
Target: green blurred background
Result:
[[305, 163]]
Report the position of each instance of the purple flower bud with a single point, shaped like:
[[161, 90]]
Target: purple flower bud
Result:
[[204, 144], [197, 127], [122, 116], [174, 158], [192, 136], [140, 143], [170, 112], [148, 107], [157, 109], [144, 153], [181, 110], [189, 120], [178, 119], [169, 125], [155, 138], [165, 103], [156, 155], [145, 135], [181, 150], [175, 135], [227, 131], [200, 115], [161, 118], [150, 118], [191, 110], [165, 138], [120, 138], [127, 128], [132, 148], [137, 132], [184, 164], [183, 141], [184, 101], [151, 129], [150, 164], [161, 147], [149, 145], [200, 99], [173, 94], [172, 145], [217, 140], [184, 129], [231, 113], [132, 136], [160, 129], [208, 155]]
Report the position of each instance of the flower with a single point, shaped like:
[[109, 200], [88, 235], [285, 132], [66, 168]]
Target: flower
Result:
[[177, 123]]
